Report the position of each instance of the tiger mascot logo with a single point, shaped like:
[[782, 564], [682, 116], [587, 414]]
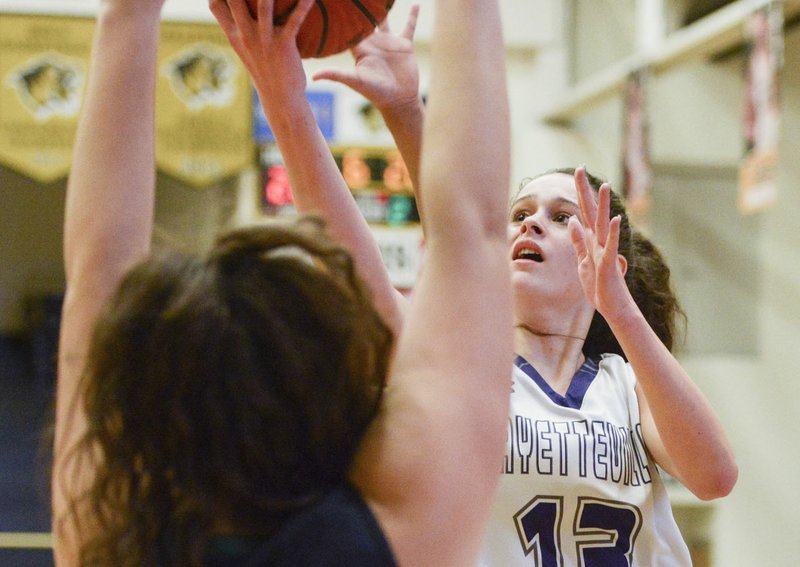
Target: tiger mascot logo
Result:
[[49, 85]]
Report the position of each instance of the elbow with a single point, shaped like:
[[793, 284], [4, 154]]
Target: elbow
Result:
[[718, 483]]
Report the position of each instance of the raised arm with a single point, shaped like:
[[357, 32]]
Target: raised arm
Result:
[[109, 210], [430, 464], [270, 55], [681, 429], [386, 74]]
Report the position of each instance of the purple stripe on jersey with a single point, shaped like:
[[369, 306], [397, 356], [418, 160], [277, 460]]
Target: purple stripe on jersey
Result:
[[577, 388]]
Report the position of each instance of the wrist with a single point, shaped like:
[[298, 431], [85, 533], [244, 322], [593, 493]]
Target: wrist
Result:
[[285, 112], [129, 11], [402, 108], [282, 96], [628, 318]]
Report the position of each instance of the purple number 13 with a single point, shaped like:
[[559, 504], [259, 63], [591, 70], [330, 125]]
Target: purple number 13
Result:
[[604, 531]]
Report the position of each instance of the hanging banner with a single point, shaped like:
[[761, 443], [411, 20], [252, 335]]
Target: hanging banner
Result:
[[203, 106], [43, 63], [637, 170], [758, 187]]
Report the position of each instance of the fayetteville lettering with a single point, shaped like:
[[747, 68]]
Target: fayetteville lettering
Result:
[[595, 448]]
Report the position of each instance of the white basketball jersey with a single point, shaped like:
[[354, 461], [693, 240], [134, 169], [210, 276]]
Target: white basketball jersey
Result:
[[578, 488]]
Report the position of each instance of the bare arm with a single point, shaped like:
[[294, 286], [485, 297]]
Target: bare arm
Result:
[[109, 209], [386, 74], [271, 57], [680, 428], [429, 465]]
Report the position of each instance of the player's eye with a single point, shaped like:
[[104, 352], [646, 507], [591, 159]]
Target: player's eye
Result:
[[519, 216]]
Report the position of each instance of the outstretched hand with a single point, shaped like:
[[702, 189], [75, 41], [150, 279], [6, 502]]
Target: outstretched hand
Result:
[[268, 52], [595, 238], [385, 69]]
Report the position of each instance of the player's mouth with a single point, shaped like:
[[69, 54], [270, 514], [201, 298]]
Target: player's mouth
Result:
[[527, 251]]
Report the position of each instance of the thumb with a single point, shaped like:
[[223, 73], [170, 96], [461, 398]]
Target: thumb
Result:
[[347, 78]]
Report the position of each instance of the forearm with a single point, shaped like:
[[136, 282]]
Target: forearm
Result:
[[461, 110], [318, 187], [108, 220], [405, 122], [110, 192], [688, 428], [444, 352], [109, 204]]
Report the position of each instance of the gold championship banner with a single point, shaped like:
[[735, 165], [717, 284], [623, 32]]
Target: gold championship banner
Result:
[[43, 62], [203, 106]]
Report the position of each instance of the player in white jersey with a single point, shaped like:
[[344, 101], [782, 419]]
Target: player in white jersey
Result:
[[583, 488], [578, 487]]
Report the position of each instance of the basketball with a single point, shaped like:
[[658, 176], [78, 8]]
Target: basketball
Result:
[[332, 25]]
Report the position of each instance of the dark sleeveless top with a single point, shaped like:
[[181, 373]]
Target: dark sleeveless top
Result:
[[338, 530]]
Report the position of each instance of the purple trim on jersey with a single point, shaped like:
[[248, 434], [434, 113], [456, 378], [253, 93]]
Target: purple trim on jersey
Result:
[[577, 388]]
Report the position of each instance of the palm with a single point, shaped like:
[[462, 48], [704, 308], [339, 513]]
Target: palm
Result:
[[385, 70], [595, 238], [602, 278]]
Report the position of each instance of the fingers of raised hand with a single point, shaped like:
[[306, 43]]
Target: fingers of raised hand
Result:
[[603, 213], [222, 12], [240, 12], [347, 78], [611, 246], [585, 197], [297, 16], [411, 23], [384, 25]]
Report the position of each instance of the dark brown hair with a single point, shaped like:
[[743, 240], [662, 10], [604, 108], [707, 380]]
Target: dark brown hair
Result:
[[648, 279], [233, 388]]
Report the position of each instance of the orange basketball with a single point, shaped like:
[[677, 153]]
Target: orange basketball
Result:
[[332, 25]]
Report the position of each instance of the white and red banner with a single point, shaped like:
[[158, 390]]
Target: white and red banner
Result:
[[637, 169], [762, 110]]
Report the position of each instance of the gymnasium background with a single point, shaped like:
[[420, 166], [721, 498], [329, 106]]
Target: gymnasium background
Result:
[[738, 273]]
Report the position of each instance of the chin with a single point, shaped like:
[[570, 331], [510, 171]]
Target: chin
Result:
[[529, 293], [525, 292]]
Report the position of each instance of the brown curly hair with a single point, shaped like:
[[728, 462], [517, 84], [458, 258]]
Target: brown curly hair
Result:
[[232, 388], [648, 279]]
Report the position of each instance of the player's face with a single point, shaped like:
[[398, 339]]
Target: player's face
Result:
[[543, 259]]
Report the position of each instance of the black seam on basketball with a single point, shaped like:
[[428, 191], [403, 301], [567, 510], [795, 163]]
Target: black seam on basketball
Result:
[[324, 35], [366, 12]]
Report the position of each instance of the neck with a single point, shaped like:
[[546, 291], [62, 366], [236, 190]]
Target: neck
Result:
[[556, 356], [530, 330]]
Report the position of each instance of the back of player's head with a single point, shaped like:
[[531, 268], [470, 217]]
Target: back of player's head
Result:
[[236, 385]]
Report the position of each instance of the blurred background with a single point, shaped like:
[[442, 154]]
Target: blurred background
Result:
[[689, 107]]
